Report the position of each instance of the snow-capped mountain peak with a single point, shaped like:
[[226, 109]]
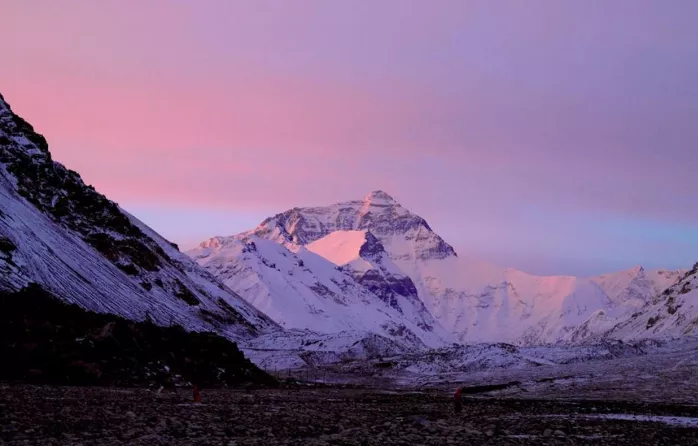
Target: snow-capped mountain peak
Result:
[[379, 199], [404, 234], [353, 238]]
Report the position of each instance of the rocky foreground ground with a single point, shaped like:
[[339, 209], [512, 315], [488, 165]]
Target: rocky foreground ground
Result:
[[322, 416]]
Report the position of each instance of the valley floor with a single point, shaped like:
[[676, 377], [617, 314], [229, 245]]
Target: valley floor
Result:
[[666, 372], [44, 415], [668, 375]]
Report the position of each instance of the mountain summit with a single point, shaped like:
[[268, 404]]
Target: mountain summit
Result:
[[379, 198], [407, 236]]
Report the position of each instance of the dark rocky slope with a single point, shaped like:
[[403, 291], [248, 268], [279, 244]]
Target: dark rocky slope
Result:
[[44, 340]]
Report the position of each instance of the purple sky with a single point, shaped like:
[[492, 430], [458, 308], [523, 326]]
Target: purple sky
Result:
[[559, 137]]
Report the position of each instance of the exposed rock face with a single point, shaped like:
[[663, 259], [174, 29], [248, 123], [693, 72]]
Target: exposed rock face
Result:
[[379, 275], [372, 248], [387, 288], [375, 271]]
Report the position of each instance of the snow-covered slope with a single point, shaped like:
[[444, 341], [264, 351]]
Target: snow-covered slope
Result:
[[479, 357], [340, 247], [672, 314], [378, 241], [629, 291], [635, 287], [302, 290], [296, 349], [362, 255], [62, 234], [518, 308]]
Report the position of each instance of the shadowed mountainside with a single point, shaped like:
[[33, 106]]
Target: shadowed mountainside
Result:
[[44, 340]]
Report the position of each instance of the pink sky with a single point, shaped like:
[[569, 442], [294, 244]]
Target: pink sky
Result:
[[557, 137]]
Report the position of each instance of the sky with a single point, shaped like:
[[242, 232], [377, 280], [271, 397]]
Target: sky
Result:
[[554, 136]]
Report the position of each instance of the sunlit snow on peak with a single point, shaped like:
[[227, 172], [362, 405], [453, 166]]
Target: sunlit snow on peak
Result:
[[339, 247]]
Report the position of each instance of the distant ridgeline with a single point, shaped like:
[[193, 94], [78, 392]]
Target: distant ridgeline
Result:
[[44, 340]]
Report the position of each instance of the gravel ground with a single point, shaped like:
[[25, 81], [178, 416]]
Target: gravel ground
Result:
[[45, 415]]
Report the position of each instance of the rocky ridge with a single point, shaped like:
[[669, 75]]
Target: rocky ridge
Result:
[[61, 233]]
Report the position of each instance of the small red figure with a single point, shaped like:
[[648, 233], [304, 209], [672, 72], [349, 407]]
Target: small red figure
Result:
[[457, 405], [197, 395]]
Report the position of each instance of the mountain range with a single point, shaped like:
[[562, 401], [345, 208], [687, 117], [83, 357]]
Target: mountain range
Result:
[[398, 260], [363, 277]]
